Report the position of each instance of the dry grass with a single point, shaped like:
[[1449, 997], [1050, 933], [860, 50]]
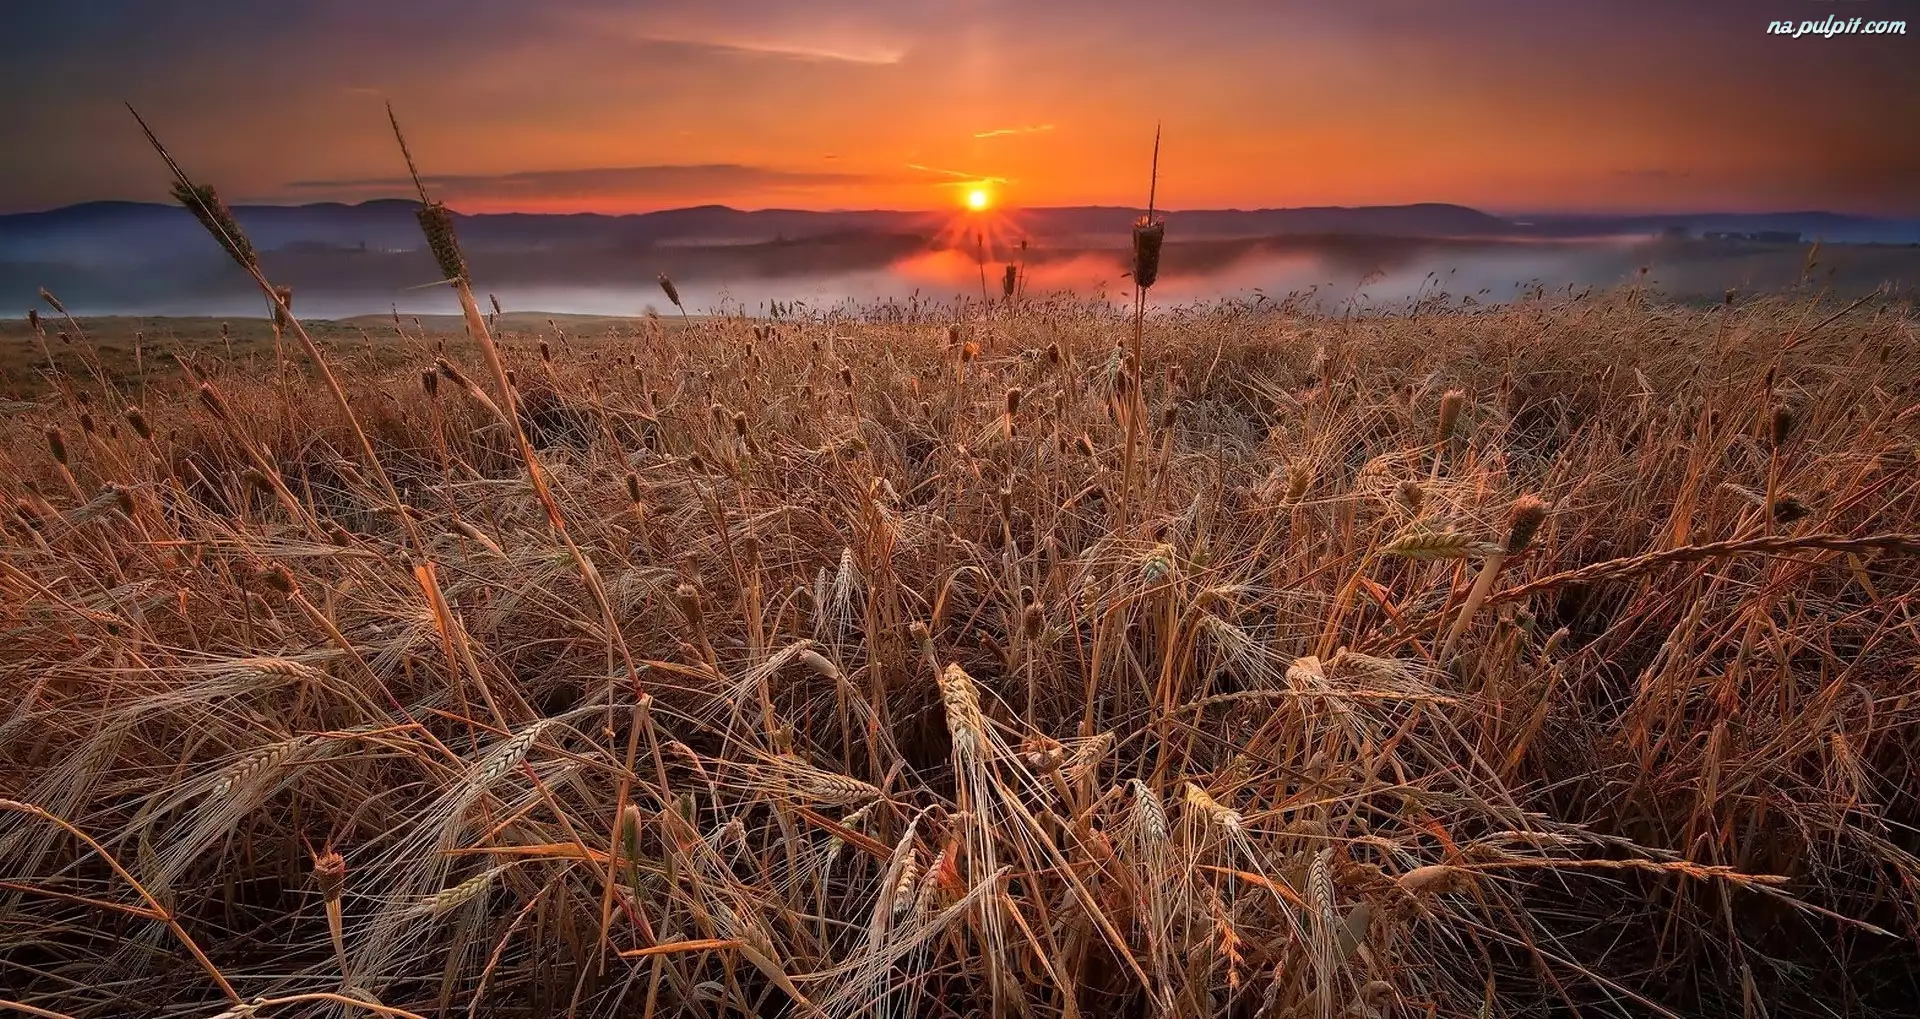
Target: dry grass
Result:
[[953, 662], [888, 709]]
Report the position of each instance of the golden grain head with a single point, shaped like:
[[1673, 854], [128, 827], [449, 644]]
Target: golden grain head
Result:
[[1452, 403]]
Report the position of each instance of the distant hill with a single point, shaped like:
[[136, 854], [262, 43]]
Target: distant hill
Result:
[[110, 233], [138, 255], [1832, 227], [124, 233]]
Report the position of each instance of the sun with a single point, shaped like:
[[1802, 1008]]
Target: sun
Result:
[[978, 199]]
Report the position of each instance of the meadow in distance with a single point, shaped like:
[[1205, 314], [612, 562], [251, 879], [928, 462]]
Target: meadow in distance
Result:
[[1025, 658]]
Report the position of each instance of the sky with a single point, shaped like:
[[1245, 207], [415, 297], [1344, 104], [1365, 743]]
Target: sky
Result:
[[623, 106]]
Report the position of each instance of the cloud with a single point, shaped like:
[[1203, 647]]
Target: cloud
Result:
[[660, 181], [1001, 132], [872, 55], [729, 28], [964, 178]]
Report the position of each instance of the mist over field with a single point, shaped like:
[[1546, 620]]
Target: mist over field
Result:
[[126, 258]]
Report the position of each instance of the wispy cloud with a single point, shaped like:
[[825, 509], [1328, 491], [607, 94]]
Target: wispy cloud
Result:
[[962, 177], [664, 181], [1002, 132], [878, 56]]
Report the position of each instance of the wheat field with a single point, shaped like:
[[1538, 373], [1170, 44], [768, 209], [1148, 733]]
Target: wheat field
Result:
[[1025, 659]]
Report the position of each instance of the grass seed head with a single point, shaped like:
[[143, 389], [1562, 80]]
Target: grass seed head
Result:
[[1033, 620], [1433, 879], [1412, 495], [210, 399], [688, 598], [1452, 402], [1781, 427], [1420, 543], [436, 222], [1149, 815], [962, 700], [330, 874], [1523, 522], [218, 220], [1147, 240]]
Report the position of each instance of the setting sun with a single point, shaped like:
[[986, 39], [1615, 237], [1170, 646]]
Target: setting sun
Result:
[[978, 199]]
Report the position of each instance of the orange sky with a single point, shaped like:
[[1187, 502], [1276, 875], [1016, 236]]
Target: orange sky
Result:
[[601, 105]]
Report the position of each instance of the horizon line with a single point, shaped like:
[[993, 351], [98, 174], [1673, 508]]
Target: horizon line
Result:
[[1435, 203]]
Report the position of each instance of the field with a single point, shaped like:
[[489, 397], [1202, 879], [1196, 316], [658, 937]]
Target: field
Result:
[[1551, 658]]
